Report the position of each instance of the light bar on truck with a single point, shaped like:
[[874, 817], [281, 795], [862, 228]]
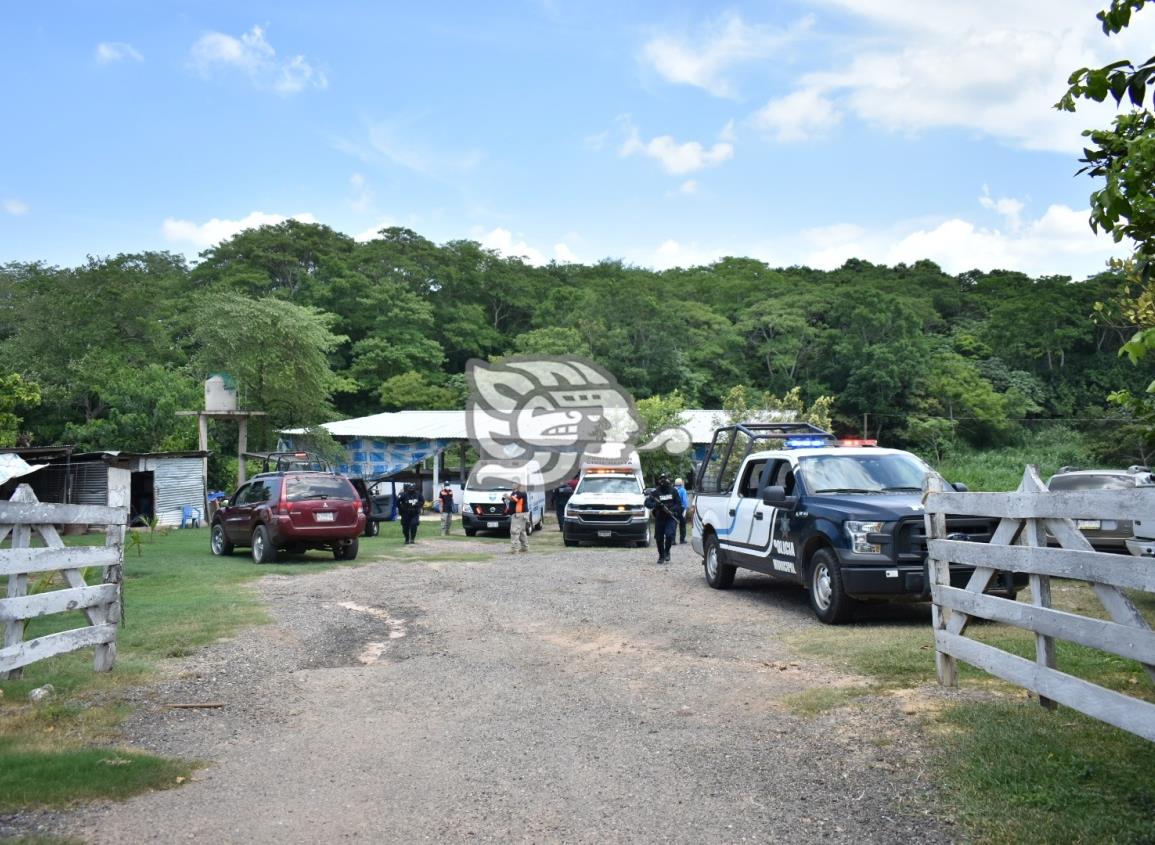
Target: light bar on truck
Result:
[[805, 443], [857, 441]]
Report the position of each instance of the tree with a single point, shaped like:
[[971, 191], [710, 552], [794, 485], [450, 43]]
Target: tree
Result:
[[15, 393], [1124, 158], [277, 353]]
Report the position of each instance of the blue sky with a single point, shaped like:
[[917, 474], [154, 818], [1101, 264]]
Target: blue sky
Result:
[[660, 133]]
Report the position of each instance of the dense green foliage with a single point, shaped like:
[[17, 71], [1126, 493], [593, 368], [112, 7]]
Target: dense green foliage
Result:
[[1123, 157], [315, 326]]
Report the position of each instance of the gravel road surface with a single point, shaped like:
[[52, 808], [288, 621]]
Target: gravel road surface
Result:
[[565, 695]]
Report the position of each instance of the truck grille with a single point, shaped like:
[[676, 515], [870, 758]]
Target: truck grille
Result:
[[489, 510], [910, 535], [600, 513]]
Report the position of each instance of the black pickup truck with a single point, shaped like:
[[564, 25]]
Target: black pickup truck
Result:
[[845, 521]]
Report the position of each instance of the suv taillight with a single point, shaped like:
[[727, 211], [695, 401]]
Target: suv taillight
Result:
[[282, 505]]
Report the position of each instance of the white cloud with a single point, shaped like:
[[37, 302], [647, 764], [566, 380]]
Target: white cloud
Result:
[[253, 56], [362, 199], [674, 157], [1011, 209], [690, 186], [505, 243], [672, 253], [399, 143], [108, 52], [374, 231], [1059, 242], [212, 232], [703, 61], [800, 116], [989, 66], [15, 207]]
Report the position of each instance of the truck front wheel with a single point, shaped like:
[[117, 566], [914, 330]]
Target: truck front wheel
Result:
[[719, 575], [828, 597]]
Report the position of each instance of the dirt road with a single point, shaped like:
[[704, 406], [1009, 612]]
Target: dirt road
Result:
[[560, 696]]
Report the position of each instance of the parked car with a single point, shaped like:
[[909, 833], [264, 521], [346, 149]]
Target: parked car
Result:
[[291, 512], [1105, 535]]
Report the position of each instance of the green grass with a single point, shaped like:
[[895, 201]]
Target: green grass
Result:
[[57, 778], [813, 702], [178, 597], [1021, 774], [1002, 469], [1010, 771]]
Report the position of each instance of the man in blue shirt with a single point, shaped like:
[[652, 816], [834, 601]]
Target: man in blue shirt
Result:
[[680, 489]]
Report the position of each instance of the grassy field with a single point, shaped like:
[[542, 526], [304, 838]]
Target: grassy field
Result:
[[178, 597]]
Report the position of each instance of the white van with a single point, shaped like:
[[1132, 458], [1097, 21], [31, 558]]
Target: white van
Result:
[[609, 503], [482, 502]]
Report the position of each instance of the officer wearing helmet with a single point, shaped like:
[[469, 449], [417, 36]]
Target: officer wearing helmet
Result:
[[666, 504], [409, 507]]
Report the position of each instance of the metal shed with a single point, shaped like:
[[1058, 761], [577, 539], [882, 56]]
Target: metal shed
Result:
[[163, 484]]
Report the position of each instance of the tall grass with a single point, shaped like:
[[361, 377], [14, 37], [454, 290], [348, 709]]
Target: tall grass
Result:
[[1002, 469]]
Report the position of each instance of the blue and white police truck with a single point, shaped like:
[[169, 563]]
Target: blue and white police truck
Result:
[[842, 518]]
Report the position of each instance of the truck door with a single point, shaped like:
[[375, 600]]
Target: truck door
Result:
[[779, 542], [743, 504], [763, 516]]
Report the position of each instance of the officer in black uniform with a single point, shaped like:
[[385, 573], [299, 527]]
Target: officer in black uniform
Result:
[[666, 504], [409, 507]]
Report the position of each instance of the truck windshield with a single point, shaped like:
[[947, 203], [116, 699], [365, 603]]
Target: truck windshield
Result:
[[609, 484], [894, 473]]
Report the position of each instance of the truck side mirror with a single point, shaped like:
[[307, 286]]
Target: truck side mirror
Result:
[[776, 497], [959, 487]]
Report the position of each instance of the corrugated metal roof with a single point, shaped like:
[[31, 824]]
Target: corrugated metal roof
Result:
[[450, 425]]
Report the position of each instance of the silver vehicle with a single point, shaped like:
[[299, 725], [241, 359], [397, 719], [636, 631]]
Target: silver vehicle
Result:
[[1108, 535]]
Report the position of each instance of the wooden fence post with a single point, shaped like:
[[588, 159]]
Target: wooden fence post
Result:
[[1034, 534], [119, 487], [938, 571], [18, 582]]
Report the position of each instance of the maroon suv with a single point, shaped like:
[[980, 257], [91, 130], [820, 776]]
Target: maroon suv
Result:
[[290, 511]]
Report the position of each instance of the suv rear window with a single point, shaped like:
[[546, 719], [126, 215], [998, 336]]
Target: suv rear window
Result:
[[300, 487]]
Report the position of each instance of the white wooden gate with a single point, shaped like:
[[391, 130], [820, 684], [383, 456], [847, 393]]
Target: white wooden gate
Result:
[[20, 519], [1020, 545]]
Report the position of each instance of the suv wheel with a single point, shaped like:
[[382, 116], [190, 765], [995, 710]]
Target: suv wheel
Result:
[[262, 547], [828, 597], [349, 552], [219, 540], [372, 528], [719, 575]]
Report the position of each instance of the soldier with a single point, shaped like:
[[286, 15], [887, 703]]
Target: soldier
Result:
[[666, 505], [409, 506]]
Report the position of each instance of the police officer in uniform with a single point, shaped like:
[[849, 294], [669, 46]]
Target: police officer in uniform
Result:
[[666, 504], [561, 498], [409, 506]]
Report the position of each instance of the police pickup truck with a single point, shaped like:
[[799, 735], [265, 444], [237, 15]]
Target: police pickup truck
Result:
[[842, 518]]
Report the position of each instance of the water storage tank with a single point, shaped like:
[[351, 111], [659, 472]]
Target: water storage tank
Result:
[[220, 393]]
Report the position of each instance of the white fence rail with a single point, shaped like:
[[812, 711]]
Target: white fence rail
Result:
[[21, 518], [1020, 545]]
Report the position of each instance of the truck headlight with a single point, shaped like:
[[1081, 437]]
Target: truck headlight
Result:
[[857, 531], [570, 513]]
